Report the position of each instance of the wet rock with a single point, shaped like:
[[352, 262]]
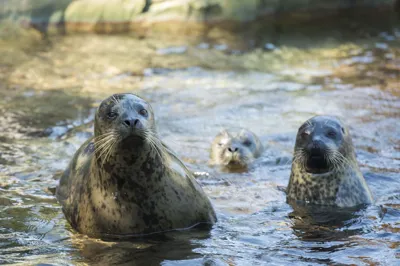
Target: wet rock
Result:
[[121, 15], [102, 15], [209, 11]]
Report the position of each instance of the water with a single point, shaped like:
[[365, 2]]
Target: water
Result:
[[48, 98]]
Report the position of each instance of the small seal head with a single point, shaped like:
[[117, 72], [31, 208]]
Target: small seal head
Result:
[[234, 151], [324, 167]]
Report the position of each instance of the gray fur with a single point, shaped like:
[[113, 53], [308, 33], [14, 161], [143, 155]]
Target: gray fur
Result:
[[133, 188], [235, 150]]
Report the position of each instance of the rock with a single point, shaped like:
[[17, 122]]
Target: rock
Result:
[[204, 11], [102, 15], [127, 15]]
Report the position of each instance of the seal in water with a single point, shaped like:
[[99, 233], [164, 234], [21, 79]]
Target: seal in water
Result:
[[324, 167], [235, 151], [125, 182]]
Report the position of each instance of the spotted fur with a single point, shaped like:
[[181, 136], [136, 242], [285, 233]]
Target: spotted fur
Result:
[[342, 184], [133, 189]]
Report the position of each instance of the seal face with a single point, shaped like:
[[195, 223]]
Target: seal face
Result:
[[125, 182], [235, 150], [324, 167]]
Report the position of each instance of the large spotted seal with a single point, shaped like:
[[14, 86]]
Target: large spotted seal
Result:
[[125, 182], [235, 150], [324, 167]]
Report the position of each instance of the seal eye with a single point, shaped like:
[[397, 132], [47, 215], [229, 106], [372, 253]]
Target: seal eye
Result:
[[112, 115], [331, 134], [343, 130], [143, 112], [247, 142]]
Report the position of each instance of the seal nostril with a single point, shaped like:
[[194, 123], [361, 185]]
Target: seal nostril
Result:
[[233, 149], [132, 123]]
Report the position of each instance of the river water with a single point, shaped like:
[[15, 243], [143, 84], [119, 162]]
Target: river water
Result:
[[49, 91]]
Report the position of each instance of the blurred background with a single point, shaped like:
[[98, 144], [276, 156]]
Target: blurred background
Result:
[[204, 65]]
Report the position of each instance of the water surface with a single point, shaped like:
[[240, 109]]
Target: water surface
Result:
[[48, 98]]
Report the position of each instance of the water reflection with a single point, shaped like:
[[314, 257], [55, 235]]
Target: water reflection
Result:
[[324, 223], [153, 251]]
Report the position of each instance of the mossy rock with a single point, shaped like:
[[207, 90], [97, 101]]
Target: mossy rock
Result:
[[97, 11]]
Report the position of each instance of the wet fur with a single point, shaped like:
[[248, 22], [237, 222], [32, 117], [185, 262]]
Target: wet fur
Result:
[[130, 187], [343, 186]]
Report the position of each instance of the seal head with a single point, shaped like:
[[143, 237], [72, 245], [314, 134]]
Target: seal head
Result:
[[235, 151], [324, 167], [321, 144], [125, 115]]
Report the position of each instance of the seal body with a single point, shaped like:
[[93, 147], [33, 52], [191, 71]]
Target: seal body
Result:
[[324, 168], [125, 182], [235, 150]]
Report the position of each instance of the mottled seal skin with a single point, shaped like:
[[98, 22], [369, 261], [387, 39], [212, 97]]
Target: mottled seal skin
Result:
[[235, 150], [324, 167], [125, 182]]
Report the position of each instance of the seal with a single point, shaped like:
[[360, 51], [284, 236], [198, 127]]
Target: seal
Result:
[[324, 167], [235, 150], [124, 182]]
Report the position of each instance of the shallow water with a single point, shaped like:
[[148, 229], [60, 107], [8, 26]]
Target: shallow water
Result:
[[48, 100]]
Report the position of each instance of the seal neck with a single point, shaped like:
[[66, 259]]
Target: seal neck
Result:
[[132, 156]]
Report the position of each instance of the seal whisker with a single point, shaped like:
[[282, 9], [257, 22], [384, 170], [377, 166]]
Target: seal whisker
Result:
[[102, 140], [155, 144], [124, 168], [299, 157], [101, 144], [100, 148], [345, 161], [104, 148], [104, 152], [99, 138], [338, 163], [111, 149]]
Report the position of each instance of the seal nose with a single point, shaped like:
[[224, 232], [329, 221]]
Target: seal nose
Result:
[[233, 149], [133, 123], [316, 147]]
